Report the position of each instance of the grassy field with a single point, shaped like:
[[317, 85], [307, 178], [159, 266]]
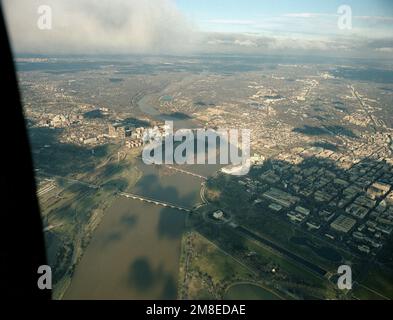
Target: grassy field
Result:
[[249, 291], [271, 268], [362, 293], [209, 270], [291, 275], [379, 281]]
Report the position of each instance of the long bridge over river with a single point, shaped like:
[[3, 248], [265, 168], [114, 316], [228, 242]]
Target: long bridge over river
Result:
[[153, 201], [132, 196], [176, 169]]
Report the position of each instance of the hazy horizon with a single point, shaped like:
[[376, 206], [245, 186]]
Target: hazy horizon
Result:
[[156, 27]]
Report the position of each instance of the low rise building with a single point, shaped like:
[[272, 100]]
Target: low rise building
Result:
[[343, 224]]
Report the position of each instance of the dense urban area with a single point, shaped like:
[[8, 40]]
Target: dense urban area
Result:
[[319, 193]]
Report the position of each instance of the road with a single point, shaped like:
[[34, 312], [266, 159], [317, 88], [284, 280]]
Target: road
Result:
[[356, 95], [87, 184]]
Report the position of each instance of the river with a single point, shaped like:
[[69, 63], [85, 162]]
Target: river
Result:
[[135, 251]]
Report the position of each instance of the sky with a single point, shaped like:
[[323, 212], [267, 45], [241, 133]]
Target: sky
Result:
[[257, 15], [204, 26], [252, 9]]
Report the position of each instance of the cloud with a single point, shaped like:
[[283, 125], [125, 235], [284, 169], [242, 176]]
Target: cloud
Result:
[[375, 18], [158, 27], [309, 15], [245, 43], [255, 44], [89, 26], [231, 22], [305, 15], [385, 50]]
